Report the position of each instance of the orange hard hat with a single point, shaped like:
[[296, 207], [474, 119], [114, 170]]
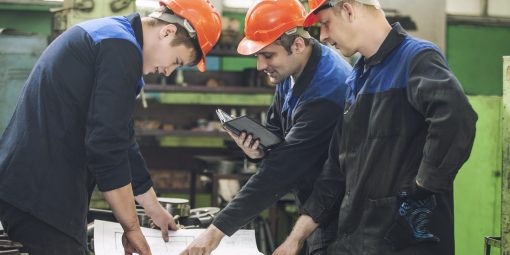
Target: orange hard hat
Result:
[[267, 20], [204, 18], [314, 5]]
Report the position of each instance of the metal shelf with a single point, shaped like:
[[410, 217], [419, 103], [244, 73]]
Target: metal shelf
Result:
[[184, 138], [202, 95], [186, 133], [203, 89]]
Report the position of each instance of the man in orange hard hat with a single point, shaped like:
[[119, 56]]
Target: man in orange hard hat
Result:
[[309, 98], [73, 127], [408, 127]]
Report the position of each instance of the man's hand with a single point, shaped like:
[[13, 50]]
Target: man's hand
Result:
[[122, 202], [134, 242], [248, 144], [303, 228], [289, 247], [205, 243], [161, 217], [412, 222]]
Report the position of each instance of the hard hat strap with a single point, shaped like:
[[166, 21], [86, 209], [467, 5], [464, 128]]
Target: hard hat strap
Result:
[[292, 31], [299, 31], [171, 18]]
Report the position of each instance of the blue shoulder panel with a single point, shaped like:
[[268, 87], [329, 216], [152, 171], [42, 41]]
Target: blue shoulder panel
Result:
[[392, 73], [328, 82], [113, 27], [329, 79]]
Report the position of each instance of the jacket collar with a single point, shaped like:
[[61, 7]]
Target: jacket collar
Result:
[[136, 23]]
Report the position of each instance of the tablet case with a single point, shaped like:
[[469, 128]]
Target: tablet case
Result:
[[243, 123]]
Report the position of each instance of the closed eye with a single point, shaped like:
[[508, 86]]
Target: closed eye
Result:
[[266, 55], [324, 24]]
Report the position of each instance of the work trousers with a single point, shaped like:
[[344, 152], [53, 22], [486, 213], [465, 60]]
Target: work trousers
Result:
[[37, 237]]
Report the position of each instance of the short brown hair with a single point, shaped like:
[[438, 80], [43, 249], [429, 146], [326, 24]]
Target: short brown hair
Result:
[[286, 40]]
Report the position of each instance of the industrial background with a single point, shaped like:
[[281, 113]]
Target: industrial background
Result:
[[190, 158]]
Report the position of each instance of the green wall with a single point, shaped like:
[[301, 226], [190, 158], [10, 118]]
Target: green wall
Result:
[[474, 53], [478, 184]]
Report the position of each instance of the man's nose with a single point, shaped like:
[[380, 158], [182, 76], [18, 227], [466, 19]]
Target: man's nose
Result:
[[261, 64], [324, 35]]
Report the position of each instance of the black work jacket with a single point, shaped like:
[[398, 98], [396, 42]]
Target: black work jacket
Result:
[[72, 127], [406, 119]]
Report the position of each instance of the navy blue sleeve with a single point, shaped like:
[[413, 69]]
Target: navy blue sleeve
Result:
[[329, 188], [435, 92], [301, 154], [108, 140], [140, 172]]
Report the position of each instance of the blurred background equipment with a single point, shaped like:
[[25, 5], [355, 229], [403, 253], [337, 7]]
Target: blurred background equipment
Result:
[[18, 53], [393, 15], [73, 12], [8, 247]]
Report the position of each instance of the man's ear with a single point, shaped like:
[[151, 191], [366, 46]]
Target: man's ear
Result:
[[299, 45], [166, 30], [350, 11]]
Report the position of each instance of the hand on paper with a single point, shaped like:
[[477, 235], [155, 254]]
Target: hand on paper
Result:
[[134, 242], [164, 220], [205, 243], [289, 247]]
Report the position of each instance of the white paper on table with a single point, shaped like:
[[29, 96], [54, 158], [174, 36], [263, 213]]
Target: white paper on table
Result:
[[107, 241]]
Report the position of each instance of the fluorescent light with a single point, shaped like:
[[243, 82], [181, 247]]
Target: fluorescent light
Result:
[[245, 4], [150, 4]]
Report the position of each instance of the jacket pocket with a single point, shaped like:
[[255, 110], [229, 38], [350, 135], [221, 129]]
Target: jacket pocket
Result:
[[377, 218]]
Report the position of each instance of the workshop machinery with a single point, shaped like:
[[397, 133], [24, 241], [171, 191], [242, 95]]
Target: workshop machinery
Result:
[[18, 53]]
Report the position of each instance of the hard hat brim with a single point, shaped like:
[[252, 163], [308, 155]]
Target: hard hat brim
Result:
[[310, 19], [250, 47]]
